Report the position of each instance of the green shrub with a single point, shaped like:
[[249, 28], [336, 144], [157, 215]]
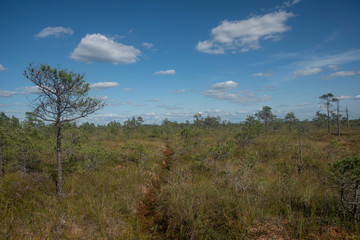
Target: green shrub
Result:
[[346, 175]]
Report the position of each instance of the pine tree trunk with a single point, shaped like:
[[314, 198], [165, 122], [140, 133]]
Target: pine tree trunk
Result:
[[328, 116], [338, 118], [59, 182], [1, 158]]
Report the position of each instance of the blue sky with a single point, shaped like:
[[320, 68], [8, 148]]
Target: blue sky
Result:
[[173, 59]]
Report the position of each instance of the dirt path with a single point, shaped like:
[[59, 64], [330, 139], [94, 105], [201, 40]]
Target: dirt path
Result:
[[146, 208]]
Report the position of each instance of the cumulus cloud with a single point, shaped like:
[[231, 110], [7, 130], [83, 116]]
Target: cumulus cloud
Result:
[[222, 91], [98, 48], [6, 93], [2, 68], [341, 74], [147, 45], [210, 47], [307, 72], [260, 74], [99, 85], [165, 72], [54, 31], [228, 85], [246, 34]]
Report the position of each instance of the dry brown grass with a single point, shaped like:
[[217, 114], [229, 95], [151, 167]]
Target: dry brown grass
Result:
[[174, 192]]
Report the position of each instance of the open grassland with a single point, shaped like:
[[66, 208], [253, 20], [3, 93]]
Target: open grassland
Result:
[[179, 183]]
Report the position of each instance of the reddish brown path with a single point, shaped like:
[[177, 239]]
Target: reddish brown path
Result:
[[146, 209]]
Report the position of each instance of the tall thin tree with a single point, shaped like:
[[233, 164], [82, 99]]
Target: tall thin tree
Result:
[[62, 97], [327, 99], [337, 114], [347, 117]]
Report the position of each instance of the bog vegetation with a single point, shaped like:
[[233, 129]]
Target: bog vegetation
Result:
[[264, 178]]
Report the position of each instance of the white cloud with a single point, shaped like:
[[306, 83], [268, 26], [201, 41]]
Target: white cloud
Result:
[[147, 45], [181, 91], [99, 85], [333, 36], [341, 74], [238, 97], [345, 97], [212, 111], [109, 116], [357, 97], [221, 91], [150, 114], [245, 34], [116, 37], [6, 93], [267, 87], [127, 103], [333, 67], [129, 89], [228, 85], [12, 105], [289, 3], [54, 31], [98, 48], [179, 114], [105, 98], [169, 107], [303, 104], [304, 60], [154, 100], [209, 47], [307, 72], [335, 59], [260, 74], [28, 90], [165, 72], [2, 68]]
